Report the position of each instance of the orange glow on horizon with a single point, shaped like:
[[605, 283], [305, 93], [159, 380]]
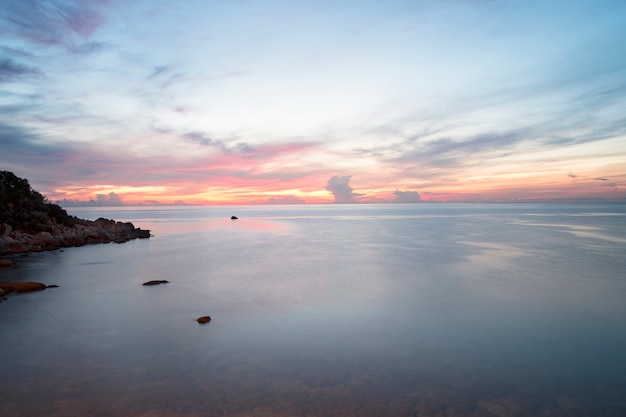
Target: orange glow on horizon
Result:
[[507, 187]]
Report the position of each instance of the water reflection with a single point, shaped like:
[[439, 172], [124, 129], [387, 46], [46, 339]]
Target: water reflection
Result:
[[320, 313]]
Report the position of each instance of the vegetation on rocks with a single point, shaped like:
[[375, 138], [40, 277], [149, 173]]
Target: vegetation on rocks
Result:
[[27, 210], [30, 223]]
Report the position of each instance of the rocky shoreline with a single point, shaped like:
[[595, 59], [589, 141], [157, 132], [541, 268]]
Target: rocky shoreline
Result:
[[58, 236], [29, 223]]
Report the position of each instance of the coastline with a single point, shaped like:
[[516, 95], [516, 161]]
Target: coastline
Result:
[[58, 236], [83, 232]]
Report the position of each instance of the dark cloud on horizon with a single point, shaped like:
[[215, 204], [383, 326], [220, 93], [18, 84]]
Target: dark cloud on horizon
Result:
[[285, 199], [111, 199], [407, 197], [340, 187]]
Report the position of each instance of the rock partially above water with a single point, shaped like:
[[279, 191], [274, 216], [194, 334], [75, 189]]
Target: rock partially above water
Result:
[[156, 282], [22, 286], [203, 319]]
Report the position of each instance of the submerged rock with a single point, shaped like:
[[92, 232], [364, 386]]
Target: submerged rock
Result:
[[203, 319], [5, 262], [234, 217], [156, 282]]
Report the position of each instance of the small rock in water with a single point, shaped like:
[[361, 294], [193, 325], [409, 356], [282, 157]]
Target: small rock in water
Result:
[[5, 262], [234, 217], [203, 319], [22, 286], [53, 286], [156, 282]]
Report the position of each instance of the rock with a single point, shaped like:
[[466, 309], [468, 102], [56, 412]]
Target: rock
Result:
[[14, 240], [234, 217], [22, 286], [5, 229], [5, 263], [156, 282], [53, 286], [2, 293], [203, 319]]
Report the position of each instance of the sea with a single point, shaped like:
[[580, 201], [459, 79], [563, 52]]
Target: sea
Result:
[[416, 310]]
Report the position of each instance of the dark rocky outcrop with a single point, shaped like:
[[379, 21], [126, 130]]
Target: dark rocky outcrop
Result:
[[234, 217], [203, 319], [13, 240], [156, 282], [28, 223]]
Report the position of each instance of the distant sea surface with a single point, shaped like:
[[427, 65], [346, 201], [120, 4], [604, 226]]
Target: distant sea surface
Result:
[[326, 310]]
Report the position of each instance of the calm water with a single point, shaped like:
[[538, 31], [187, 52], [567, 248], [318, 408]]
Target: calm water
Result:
[[334, 310]]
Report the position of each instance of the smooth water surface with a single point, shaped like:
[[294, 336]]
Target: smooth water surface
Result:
[[333, 310]]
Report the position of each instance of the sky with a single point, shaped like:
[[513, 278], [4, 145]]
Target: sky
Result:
[[115, 102]]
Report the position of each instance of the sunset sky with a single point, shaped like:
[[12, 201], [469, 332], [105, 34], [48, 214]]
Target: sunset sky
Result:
[[276, 101]]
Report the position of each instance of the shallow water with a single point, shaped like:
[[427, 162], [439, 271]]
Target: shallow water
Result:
[[334, 310]]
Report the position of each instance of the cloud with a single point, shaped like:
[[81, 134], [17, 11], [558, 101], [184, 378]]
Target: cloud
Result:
[[53, 22], [285, 199], [200, 139], [152, 202], [25, 144], [339, 186], [407, 197], [111, 199], [13, 71], [158, 70], [450, 151]]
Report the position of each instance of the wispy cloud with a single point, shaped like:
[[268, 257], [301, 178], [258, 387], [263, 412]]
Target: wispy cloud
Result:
[[11, 70], [54, 22], [226, 101]]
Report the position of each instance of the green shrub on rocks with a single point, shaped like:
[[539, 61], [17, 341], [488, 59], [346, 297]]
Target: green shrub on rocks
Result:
[[29, 223]]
